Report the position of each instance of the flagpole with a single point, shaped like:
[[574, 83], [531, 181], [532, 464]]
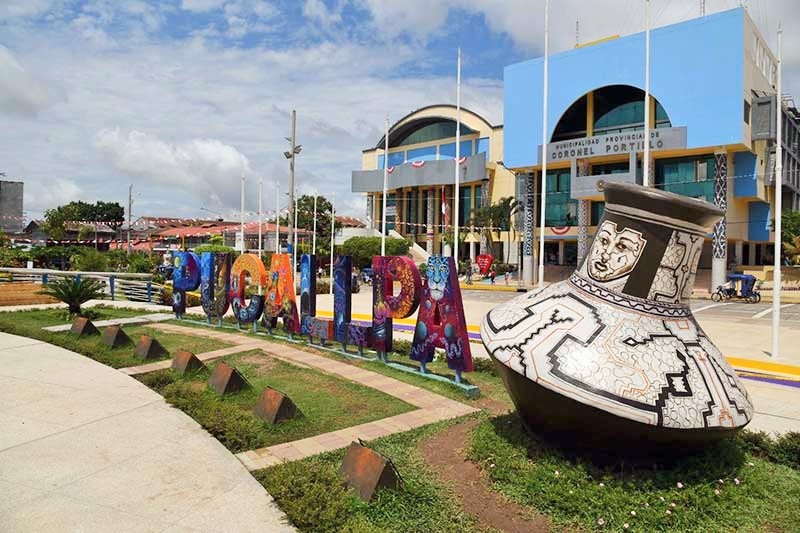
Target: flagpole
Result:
[[277, 216], [458, 155], [646, 162], [294, 240], [776, 275], [385, 185], [242, 214], [544, 146], [314, 237], [333, 235], [260, 216]]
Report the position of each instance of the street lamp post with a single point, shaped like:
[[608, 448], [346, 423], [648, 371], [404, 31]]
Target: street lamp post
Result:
[[290, 155]]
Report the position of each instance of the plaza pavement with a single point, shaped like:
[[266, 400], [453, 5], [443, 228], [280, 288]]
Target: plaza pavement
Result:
[[84, 447]]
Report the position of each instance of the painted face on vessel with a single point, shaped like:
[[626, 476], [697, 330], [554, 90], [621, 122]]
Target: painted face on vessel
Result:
[[614, 253]]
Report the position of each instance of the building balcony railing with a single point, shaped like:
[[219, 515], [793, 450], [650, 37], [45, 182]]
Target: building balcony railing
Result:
[[428, 173]]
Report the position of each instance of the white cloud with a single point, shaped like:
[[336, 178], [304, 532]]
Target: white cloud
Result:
[[201, 6], [21, 93], [24, 8], [174, 115], [198, 167], [316, 10]]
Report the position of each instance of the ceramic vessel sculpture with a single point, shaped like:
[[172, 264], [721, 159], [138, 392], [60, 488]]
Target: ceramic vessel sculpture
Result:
[[613, 357]]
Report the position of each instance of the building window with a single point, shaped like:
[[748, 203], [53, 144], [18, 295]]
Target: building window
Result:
[[411, 211], [611, 168], [560, 210], [598, 208], [689, 176], [464, 205], [443, 129], [620, 108], [746, 112]]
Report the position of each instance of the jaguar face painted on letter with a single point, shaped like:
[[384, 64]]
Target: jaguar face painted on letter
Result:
[[438, 272], [614, 253]]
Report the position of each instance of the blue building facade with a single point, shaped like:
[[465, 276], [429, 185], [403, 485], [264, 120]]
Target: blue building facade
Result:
[[712, 85]]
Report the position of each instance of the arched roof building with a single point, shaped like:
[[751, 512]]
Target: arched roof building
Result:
[[421, 176]]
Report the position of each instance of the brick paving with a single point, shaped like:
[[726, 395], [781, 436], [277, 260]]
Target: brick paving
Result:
[[432, 407]]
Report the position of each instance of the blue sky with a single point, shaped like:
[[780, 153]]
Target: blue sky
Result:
[[178, 96]]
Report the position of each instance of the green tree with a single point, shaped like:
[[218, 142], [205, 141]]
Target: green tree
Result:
[[215, 244], [5, 242], [305, 220], [109, 213], [495, 217], [362, 249]]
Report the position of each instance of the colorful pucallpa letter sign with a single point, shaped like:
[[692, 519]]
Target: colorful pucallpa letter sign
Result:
[[342, 296], [281, 301], [441, 322], [185, 277], [244, 266], [386, 305], [215, 281], [308, 292]]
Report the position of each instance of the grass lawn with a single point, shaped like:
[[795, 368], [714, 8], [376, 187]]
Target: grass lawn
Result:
[[590, 493], [30, 324], [311, 493], [490, 385], [327, 403]]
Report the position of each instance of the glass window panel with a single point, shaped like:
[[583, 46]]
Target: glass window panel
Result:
[[431, 132]]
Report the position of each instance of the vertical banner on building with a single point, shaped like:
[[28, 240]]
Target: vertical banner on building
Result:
[[441, 322], [185, 277], [281, 301], [386, 305], [247, 265], [215, 269], [342, 296], [308, 292]]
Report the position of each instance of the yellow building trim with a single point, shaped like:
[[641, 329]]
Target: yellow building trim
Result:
[[590, 113]]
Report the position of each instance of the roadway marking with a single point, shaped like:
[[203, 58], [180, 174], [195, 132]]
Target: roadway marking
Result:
[[767, 311], [708, 307]]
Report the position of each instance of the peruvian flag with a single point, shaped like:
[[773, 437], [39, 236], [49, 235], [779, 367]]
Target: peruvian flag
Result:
[[418, 164], [462, 160], [445, 210], [390, 170]]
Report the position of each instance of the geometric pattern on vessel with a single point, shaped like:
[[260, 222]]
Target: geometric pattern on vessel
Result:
[[613, 357]]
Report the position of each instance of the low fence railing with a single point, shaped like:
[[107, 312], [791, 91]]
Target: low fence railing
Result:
[[116, 285]]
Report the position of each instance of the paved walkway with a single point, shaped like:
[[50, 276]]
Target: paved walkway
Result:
[[432, 407], [84, 447]]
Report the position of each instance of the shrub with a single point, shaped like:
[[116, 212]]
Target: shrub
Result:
[[74, 292], [157, 380], [314, 496], [192, 298], [140, 263], [362, 249], [236, 428], [401, 347], [484, 365], [423, 268], [786, 450], [89, 260]]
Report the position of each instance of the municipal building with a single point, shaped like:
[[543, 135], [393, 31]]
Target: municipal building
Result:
[[713, 136]]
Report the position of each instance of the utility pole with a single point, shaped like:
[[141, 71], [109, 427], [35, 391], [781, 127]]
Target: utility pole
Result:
[[130, 204], [646, 156], [294, 150], [776, 275]]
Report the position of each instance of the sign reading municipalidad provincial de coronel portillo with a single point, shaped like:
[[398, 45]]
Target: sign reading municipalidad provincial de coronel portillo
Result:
[[615, 143]]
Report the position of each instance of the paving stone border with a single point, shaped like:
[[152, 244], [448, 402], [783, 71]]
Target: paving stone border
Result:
[[431, 407]]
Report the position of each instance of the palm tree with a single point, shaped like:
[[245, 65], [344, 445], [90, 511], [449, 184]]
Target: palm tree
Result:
[[74, 292], [496, 216]]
